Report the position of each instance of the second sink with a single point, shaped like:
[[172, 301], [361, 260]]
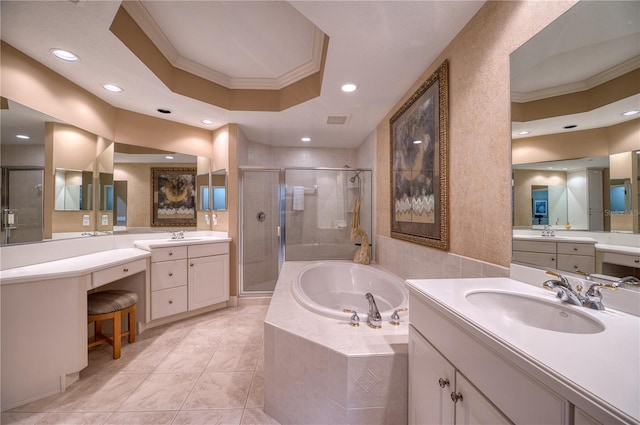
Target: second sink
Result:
[[535, 312]]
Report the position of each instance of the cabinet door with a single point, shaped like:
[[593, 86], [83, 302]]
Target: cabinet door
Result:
[[208, 281], [429, 398], [473, 408]]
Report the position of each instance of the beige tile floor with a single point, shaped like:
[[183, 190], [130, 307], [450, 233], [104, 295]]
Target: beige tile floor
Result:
[[204, 370]]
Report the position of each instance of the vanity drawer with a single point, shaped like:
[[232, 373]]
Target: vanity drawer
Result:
[[576, 248], [168, 274], [535, 258], [535, 246], [629, 260], [205, 250], [170, 253], [571, 263], [111, 274], [168, 302]]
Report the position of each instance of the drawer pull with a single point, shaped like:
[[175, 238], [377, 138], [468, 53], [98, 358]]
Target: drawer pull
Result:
[[456, 397], [126, 270], [636, 261], [443, 382], [170, 253], [170, 274], [191, 264], [575, 249], [170, 301]]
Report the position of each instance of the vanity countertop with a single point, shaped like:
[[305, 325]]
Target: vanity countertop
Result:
[[73, 266], [574, 239], [619, 249], [603, 367], [148, 244]]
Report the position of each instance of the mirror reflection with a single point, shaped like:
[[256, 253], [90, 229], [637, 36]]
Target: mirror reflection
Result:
[[219, 190], [73, 190], [562, 112], [203, 188]]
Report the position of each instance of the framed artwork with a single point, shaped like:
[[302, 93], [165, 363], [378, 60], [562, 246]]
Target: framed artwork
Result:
[[540, 208], [173, 197], [419, 158]]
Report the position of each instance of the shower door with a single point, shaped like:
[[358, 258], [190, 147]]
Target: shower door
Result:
[[261, 227], [22, 193]]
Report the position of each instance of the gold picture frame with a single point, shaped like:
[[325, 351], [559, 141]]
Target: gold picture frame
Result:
[[173, 197], [419, 160]]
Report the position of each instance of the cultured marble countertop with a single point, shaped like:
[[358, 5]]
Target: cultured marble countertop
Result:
[[72, 267], [148, 244], [285, 313], [604, 367], [575, 239], [618, 249]]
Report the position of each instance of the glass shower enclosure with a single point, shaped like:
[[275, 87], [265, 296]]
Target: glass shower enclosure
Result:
[[299, 214]]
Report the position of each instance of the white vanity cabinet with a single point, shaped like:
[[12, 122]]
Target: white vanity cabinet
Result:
[[567, 255], [168, 281], [188, 277], [439, 394], [493, 389], [208, 274]]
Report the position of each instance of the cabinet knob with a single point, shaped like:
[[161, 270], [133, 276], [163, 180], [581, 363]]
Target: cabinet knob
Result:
[[126, 270], [636, 261], [575, 249], [170, 301], [191, 264], [456, 397], [170, 252], [443, 382], [170, 274]]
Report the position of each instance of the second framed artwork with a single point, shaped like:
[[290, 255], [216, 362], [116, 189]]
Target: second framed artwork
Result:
[[173, 197], [419, 159]]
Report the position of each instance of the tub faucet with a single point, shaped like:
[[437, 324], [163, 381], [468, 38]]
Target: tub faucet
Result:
[[374, 319]]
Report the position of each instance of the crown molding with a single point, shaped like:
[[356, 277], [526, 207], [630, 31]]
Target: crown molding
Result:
[[146, 22]]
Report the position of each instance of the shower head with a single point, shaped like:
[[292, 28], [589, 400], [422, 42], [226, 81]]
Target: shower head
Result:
[[353, 179]]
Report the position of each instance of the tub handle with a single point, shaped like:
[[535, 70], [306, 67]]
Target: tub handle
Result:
[[395, 317], [355, 319]]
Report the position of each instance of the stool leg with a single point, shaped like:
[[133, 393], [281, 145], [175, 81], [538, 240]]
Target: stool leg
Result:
[[117, 338], [132, 325], [98, 329]]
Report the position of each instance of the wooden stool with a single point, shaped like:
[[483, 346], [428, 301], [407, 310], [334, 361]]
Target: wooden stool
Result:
[[112, 304]]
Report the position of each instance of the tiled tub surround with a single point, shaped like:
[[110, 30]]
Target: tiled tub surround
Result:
[[322, 370]]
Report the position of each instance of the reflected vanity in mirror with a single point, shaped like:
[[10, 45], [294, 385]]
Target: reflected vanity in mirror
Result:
[[73, 190], [575, 142]]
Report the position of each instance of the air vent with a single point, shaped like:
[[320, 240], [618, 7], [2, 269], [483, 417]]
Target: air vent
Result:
[[337, 119]]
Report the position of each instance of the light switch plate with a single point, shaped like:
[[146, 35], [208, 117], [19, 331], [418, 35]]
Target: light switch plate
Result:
[[105, 219], [85, 220]]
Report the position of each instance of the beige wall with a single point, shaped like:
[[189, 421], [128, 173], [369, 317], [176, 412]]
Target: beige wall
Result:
[[479, 129]]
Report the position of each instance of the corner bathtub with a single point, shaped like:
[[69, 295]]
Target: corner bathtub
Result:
[[328, 288]]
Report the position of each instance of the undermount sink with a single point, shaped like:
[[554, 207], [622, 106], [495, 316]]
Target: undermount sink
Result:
[[535, 312]]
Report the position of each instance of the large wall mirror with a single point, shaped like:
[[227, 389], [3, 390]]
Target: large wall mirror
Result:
[[575, 96], [58, 181]]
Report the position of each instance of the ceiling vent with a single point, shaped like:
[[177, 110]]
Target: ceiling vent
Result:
[[337, 119]]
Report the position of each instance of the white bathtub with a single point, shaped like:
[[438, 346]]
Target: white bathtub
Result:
[[327, 288]]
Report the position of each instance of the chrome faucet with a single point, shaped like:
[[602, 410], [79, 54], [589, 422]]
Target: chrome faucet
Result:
[[564, 290], [548, 231], [593, 297], [177, 235], [374, 319]]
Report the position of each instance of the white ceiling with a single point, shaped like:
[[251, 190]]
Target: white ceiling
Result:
[[383, 46]]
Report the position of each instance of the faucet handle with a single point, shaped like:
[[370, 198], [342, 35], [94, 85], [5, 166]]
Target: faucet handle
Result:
[[355, 319], [395, 317]]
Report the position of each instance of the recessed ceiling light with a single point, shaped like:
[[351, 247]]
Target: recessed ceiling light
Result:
[[65, 55], [168, 157], [164, 110], [112, 88], [629, 113], [349, 87], [524, 132], [417, 142], [22, 136], [306, 139], [207, 122]]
